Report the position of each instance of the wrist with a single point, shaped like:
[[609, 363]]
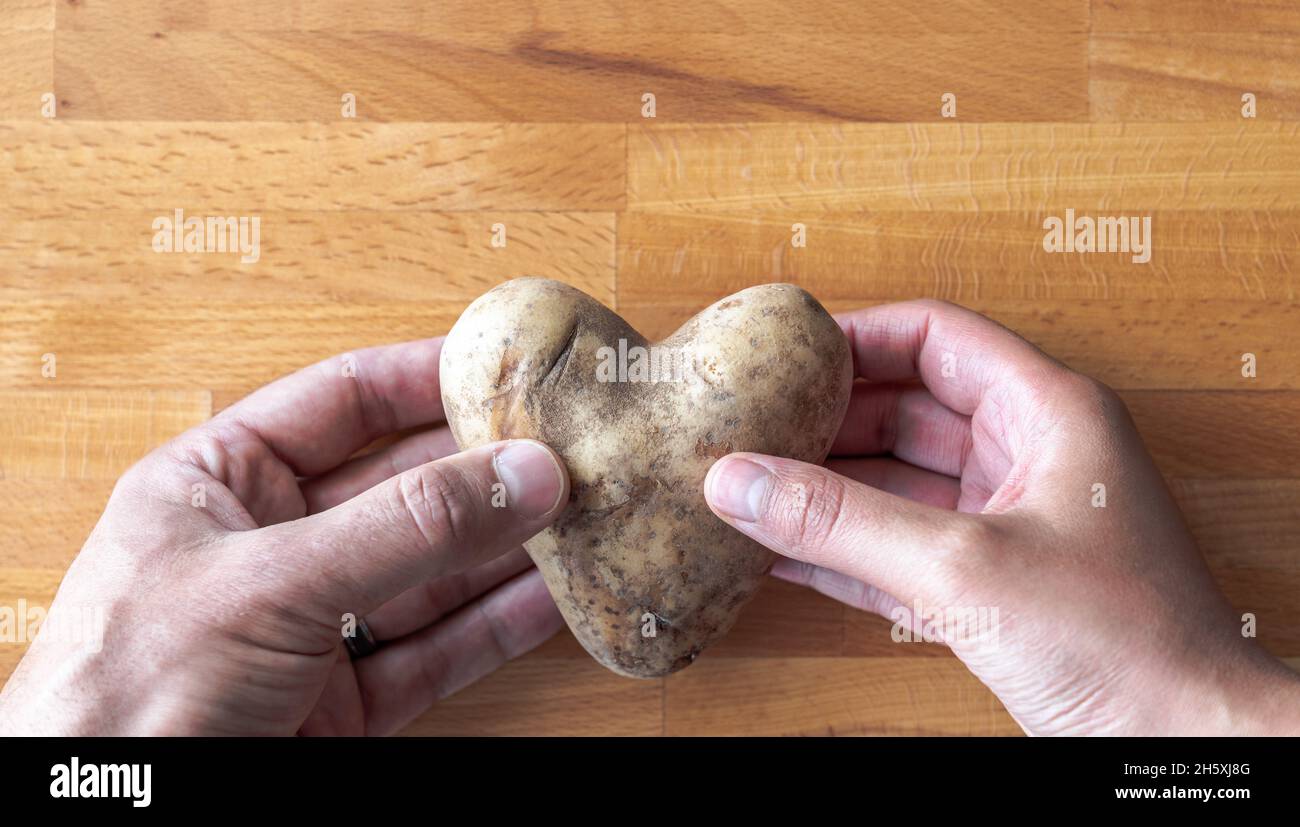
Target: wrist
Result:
[[67, 691], [1253, 694]]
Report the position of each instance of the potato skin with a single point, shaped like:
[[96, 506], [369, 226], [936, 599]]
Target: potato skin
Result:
[[638, 550]]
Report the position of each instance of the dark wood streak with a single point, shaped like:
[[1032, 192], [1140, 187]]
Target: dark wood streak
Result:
[[532, 49]]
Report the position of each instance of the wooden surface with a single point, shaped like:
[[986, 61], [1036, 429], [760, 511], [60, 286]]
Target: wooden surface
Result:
[[822, 112]]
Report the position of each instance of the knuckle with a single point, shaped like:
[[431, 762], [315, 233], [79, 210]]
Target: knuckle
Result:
[[135, 479], [1057, 393], [160, 464], [941, 306], [1091, 396], [440, 501], [1110, 405], [1091, 405]]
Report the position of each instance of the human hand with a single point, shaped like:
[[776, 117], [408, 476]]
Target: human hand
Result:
[[1108, 618], [226, 560]]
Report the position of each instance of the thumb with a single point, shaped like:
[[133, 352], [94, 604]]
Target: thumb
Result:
[[808, 513], [436, 519]]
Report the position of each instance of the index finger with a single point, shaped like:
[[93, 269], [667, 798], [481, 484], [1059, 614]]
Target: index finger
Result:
[[958, 354], [316, 418]]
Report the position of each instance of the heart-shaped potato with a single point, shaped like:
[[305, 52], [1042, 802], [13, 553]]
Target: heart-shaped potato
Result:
[[645, 575]]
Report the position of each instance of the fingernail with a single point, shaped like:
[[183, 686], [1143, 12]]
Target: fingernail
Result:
[[737, 488], [533, 479]]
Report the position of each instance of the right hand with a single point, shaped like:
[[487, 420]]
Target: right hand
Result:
[[1109, 619]]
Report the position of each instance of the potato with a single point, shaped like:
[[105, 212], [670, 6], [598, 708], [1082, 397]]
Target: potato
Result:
[[645, 575]]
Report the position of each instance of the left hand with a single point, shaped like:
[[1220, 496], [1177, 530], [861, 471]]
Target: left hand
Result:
[[226, 560]]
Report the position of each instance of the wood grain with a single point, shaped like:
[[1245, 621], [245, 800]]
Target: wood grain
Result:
[[1269, 594], [474, 76], [1243, 524], [832, 696], [528, 113], [959, 256], [1194, 77], [337, 257], [90, 434], [1195, 16], [1127, 344], [224, 169], [47, 520], [156, 344], [19, 15], [150, 343], [1220, 434], [26, 70], [547, 696], [631, 16], [803, 169]]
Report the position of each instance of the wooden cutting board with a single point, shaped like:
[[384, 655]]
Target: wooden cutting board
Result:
[[530, 115]]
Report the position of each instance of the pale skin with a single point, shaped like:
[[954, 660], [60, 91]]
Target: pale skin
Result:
[[974, 486], [228, 618], [971, 486]]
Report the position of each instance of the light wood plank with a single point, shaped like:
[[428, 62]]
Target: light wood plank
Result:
[[868, 635], [1194, 77], [243, 169], [144, 345], [19, 15], [785, 621], [959, 256], [544, 696], [629, 16], [1220, 435], [1244, 523], [231, 347], [377, 232], [563, 646], [1122, 343], [1269, 594], [1117, 169], [367, 256], [89, 434], [1127, 344], [151, 344], [26, 72], [48, 520], [34, 585], [832, 696], [563, 76], [1195, 16]]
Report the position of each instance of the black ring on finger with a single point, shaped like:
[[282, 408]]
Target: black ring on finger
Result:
[[362, 643]]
